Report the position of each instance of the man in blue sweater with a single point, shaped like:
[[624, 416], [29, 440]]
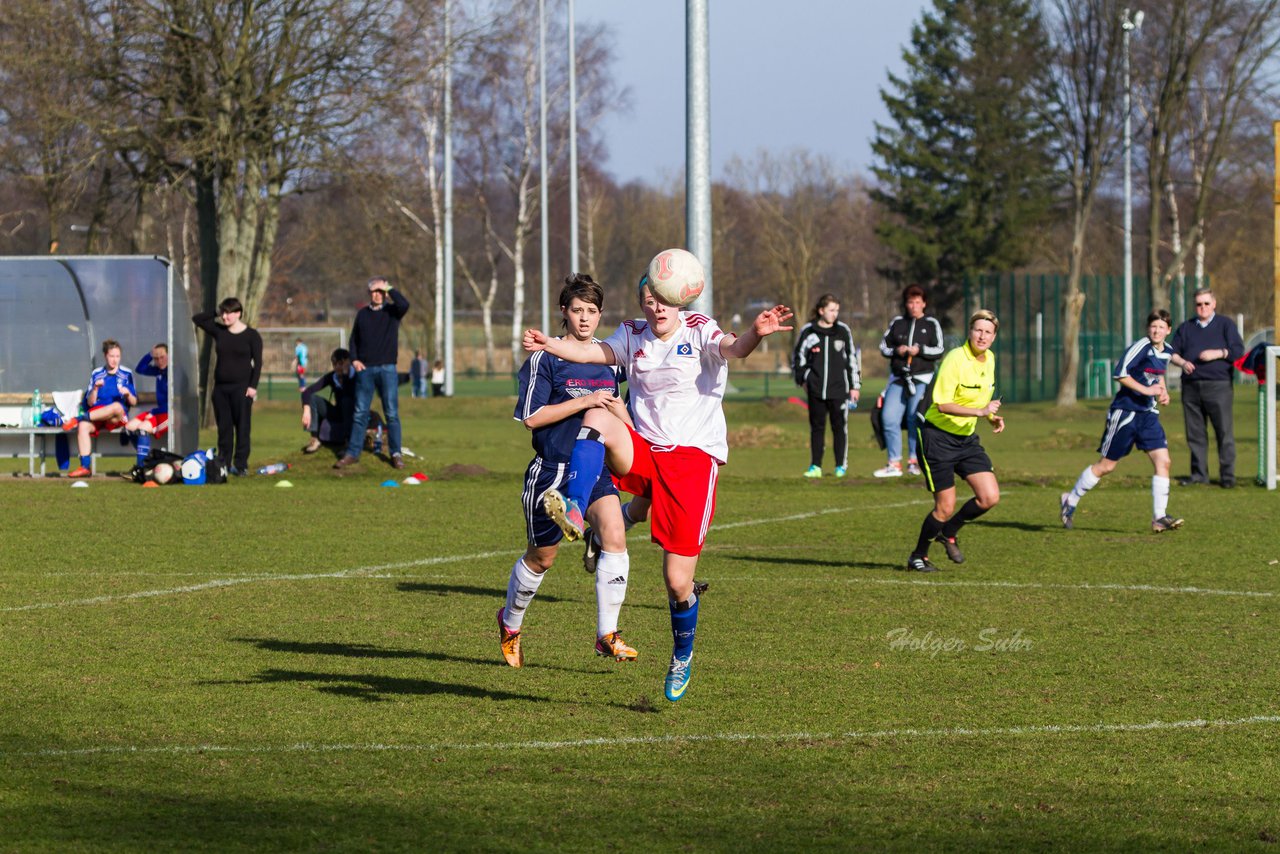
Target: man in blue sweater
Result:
[[374, 345], [1205, 348]]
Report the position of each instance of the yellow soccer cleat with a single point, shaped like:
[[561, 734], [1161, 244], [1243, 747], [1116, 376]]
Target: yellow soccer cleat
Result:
[[510, 643], [613, 646]]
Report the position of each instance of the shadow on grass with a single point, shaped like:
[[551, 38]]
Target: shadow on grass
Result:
[[375, 688], [463, 589], [361, 650], [807, 561]]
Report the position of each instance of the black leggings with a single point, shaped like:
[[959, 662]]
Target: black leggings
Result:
[[233, 412], [820, 411]]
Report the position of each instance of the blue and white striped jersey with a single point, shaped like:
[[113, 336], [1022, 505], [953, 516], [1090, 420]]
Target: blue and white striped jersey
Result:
[[1147, 365]]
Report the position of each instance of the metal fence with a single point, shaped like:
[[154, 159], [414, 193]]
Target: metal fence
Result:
[[1030, 350]]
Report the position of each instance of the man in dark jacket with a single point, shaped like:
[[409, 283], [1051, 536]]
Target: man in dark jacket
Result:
[[328, 420], [1205, 349], [375, 344]]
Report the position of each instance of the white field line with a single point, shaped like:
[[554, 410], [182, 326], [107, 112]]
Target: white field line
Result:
[[908, 733], [363, 571], [379, 571]]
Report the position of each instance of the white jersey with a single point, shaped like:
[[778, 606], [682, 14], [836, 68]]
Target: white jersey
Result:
[[676, 386]]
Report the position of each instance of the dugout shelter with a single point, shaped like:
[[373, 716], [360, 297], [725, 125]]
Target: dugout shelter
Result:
[[55, 312]]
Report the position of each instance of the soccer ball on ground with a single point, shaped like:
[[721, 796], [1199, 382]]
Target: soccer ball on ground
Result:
[[162, 473], [676, 277]]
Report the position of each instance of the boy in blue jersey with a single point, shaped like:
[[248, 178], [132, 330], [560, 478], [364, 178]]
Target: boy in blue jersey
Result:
[[107, 400], [554, 394], [156, 421], [1133, 420]]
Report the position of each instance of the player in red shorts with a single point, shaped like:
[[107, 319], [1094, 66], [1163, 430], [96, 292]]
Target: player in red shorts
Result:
[[156, 421], [110, 394], [677, 373]]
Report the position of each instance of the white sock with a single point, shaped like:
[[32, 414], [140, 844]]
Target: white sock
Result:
[[521, 588], [1087, 481], [1159, 496], [611, 589], [627, 522]]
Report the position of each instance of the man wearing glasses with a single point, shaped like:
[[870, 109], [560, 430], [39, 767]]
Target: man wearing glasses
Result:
[[1206, 349]]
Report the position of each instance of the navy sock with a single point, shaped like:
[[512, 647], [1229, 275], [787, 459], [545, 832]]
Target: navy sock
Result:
[[929, 529], [144, 446], [970, 511], [585, 464], [684, 625]]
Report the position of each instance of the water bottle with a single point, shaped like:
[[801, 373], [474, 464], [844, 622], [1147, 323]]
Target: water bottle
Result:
[[274, 468], [377, 440], [35, 408]]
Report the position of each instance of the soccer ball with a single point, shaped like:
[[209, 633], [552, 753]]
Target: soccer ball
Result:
[[676, 277], [162, 473]]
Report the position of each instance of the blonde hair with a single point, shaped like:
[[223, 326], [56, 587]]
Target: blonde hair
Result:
[[984, 314]]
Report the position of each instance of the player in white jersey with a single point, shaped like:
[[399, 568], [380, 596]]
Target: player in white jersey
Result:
[[677, 373]]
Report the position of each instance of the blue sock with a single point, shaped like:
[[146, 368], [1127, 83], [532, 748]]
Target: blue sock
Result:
[[684, 624], [585, 464], [144, 446], [85, 461]]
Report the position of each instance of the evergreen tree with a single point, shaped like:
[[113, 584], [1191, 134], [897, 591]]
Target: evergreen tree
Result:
[[965, 169]]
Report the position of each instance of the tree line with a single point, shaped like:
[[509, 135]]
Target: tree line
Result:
[[284, 150]]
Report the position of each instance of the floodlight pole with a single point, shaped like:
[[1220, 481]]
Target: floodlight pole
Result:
[[574, 262], [542, 163], [448, 204], [1128, 24], [698, 142]]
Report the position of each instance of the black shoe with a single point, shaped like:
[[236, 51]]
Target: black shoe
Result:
[[235, 472], [953, 548], [700, 587], [920, 564], [1191, 481], [1229, 484], [591, 556]]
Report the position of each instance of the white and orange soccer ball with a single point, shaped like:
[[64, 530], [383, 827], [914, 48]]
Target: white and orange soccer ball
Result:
[[162, 473], [676, 277]]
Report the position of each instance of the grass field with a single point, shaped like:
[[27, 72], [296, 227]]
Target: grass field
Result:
[[245, 668]]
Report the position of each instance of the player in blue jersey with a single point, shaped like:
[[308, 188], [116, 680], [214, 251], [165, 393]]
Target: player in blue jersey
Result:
[[553, 396], [107, 399], [154, 422], [1133, 420]]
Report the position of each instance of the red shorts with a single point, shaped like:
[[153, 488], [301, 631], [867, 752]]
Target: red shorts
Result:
[[681, 483], [105, 426], [158, 420]]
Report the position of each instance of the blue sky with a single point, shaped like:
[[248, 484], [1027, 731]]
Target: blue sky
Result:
[[809, 77]]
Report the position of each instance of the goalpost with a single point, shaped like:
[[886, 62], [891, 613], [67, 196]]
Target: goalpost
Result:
[[278, 344], [1267, 425]]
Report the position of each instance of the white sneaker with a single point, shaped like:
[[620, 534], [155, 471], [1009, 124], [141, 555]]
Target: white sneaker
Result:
[[890, 470], [912, 468]]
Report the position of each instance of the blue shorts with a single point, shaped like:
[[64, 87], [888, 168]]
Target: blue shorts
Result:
[[538, 478], [1126, 429]]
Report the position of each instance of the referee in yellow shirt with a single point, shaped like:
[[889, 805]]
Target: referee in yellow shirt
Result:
[[959, 395]]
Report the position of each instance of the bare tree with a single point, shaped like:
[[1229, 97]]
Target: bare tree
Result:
[[1087, 38], [1211, 59], [242, 100], [798, 200]]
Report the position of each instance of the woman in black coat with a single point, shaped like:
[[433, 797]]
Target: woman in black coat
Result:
[[825, 364]]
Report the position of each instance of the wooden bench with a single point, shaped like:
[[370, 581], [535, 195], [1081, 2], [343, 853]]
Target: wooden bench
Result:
[[32, 442]]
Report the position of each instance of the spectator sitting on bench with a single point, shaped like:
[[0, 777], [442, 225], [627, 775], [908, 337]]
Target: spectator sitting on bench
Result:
[[328, 420], [110, 394], [156, 422]]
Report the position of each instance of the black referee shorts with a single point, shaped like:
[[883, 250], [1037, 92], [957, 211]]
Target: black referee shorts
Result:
[[944, 455]]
